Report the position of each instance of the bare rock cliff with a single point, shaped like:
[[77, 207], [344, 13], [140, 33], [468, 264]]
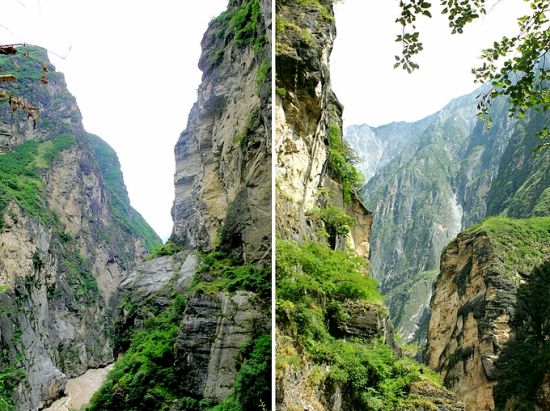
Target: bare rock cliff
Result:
[[486, 331], [222, 224]]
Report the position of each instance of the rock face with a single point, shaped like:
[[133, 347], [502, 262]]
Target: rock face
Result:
[[443, 174], [223, 189], [68, 236], [214, 330], [318, 210], [223, 173], [222, 217], [376, 146], [476, 326]]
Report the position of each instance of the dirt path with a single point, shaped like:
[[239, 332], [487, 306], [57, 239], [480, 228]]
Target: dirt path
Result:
[[81, 389]]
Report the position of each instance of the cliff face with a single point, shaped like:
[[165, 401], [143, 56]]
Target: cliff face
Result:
[[223, 198], [488, 330], [68, 236], [204, 298], [223, 174], [330, 318]]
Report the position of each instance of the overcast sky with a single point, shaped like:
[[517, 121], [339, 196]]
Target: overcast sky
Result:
[[133, 70], [362, 60]]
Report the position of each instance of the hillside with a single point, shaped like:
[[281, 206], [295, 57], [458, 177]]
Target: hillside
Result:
[[68, 236]]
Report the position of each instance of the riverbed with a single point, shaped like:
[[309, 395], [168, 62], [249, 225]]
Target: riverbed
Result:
[[80, 389]]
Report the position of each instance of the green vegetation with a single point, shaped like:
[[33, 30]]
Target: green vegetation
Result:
[[19, 179], [324, 12], [340, 163], [253, 380], [10, 375], [261, 74], [240, 25], [523, 178], [169, 248], [311, 272], [80, 279], [313, 283], [125, 216], [281, 91], [49, 150], [335, 218], [245, 23], [521, 243], [221, 272], [144, 378]]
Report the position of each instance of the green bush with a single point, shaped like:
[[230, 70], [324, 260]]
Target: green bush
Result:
[[313, 282], [313, 270], [144, 378], [169, 248], [221, 272], [340, 163], [253, 381], [335, 218], [244, 25], [262, 73]]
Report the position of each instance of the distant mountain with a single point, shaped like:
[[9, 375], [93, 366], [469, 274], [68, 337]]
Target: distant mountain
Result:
[[432, 178]]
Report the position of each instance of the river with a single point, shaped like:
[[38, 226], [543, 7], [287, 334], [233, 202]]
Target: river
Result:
[[80, 389]]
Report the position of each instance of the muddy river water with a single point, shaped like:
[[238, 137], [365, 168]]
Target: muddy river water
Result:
[[80, 389]]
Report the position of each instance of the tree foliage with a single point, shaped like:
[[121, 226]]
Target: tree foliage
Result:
[[515, 66]]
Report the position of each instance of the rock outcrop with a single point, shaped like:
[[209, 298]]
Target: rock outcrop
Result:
[[68, 236], [476, 326], [223, 158]]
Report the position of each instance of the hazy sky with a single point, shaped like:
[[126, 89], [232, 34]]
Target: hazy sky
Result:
[[362, 60], [133, 70]]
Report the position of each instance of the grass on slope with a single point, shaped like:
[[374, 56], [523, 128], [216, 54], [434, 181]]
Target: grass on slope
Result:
[[19, 178], [521, 243]]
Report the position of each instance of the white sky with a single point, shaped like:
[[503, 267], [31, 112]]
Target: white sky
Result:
[[133, 70], [362, 60]]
